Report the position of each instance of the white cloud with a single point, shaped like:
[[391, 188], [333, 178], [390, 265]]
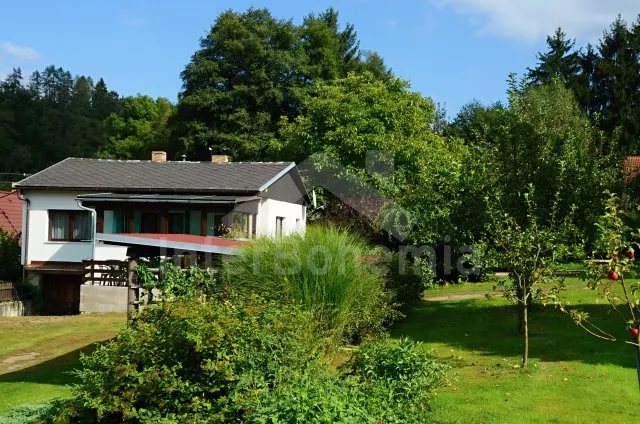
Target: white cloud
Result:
[[21, 52], [532, 20]]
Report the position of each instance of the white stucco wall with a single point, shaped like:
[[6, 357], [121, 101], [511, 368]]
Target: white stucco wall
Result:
[[41, 249], [270, 209], [105, 252], [38, 245]]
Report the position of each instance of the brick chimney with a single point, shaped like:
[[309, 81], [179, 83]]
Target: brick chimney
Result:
[[219, 158], [158, 156]]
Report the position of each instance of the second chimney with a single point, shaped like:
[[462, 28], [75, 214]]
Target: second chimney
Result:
[[158, 156], [219, 158]]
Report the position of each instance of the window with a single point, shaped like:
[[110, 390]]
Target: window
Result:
[[279, 226], [241, 224], [69, 226], [119, 224], [149, 223], [214, 224], [176, 223]]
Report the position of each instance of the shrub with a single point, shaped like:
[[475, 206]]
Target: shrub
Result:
[[174, 282], [405, 371], [408, 284], [10, 268], [389, 384], [327, 271], [26, 414], [191, 361]]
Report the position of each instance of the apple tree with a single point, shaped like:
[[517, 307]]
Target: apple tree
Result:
[[530, 250], [616, 243]]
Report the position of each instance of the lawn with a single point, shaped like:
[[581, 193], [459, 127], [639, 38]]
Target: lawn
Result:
[[36, 354], [573, 377]]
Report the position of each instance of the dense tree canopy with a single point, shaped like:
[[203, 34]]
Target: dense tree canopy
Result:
[[349, 117], [51, 117], [138, 129], [604, 79], [251, 70]]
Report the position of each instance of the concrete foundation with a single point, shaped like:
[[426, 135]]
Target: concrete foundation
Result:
[[15, 309], [103, 299]]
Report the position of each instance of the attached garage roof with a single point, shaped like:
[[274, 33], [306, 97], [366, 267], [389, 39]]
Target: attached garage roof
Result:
[[159, 177]]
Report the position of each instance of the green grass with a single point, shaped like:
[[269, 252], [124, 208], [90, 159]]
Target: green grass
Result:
[[58, 342], [573, 377]]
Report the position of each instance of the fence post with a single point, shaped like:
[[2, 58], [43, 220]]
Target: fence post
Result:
[[133, 291]]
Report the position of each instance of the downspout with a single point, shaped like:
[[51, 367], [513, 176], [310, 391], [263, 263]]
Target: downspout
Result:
[[25, 234], [93, 226]]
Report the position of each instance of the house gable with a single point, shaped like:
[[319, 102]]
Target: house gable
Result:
[[288, 188]]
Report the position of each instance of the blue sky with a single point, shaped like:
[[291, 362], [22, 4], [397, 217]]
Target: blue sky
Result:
[[453, 51]]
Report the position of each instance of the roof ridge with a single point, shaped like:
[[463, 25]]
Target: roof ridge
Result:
[[170, 161]]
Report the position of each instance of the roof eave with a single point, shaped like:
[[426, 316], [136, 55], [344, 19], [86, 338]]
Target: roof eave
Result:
[[143, 190]]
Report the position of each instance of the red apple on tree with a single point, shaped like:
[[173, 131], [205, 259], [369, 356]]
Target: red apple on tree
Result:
[[630, 254], [633, 331], [613, 275]]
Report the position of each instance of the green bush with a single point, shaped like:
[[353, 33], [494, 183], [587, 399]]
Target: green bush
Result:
[[408, 284], [174, 282], [191, 362], [389, 384], [26, 414], [405, 371], [242, 359], [327, 271], [10, 267]]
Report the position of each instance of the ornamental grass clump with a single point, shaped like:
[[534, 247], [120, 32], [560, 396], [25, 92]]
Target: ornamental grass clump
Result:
[[327, 271]]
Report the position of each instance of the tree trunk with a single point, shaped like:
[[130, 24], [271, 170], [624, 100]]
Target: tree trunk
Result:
[[523, 301], [637, 349], [525, 333]]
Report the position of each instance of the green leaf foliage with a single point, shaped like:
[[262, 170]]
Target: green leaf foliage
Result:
[[10, 252], [191, 361], [326, 271], [138, 129], [252, 69]]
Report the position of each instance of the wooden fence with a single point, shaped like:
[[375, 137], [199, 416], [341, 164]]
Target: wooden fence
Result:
[[105, 273], [8, 292]]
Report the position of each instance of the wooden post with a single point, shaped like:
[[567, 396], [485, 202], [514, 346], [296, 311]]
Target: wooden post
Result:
[[133, 292]]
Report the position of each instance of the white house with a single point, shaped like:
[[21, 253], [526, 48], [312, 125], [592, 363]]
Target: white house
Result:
[[82, 209]]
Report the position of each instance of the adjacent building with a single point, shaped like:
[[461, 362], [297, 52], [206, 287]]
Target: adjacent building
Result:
[[10, 211]]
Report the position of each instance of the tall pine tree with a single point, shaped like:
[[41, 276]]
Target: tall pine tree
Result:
[[561, 61]]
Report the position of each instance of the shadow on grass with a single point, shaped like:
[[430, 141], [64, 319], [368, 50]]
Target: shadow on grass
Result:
[[488, 327], [55, 371]]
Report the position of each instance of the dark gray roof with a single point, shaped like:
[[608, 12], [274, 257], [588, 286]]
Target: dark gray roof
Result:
[[158, 177], [163, 198]]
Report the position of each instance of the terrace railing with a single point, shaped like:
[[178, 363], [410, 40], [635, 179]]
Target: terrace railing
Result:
[[105, 273]]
